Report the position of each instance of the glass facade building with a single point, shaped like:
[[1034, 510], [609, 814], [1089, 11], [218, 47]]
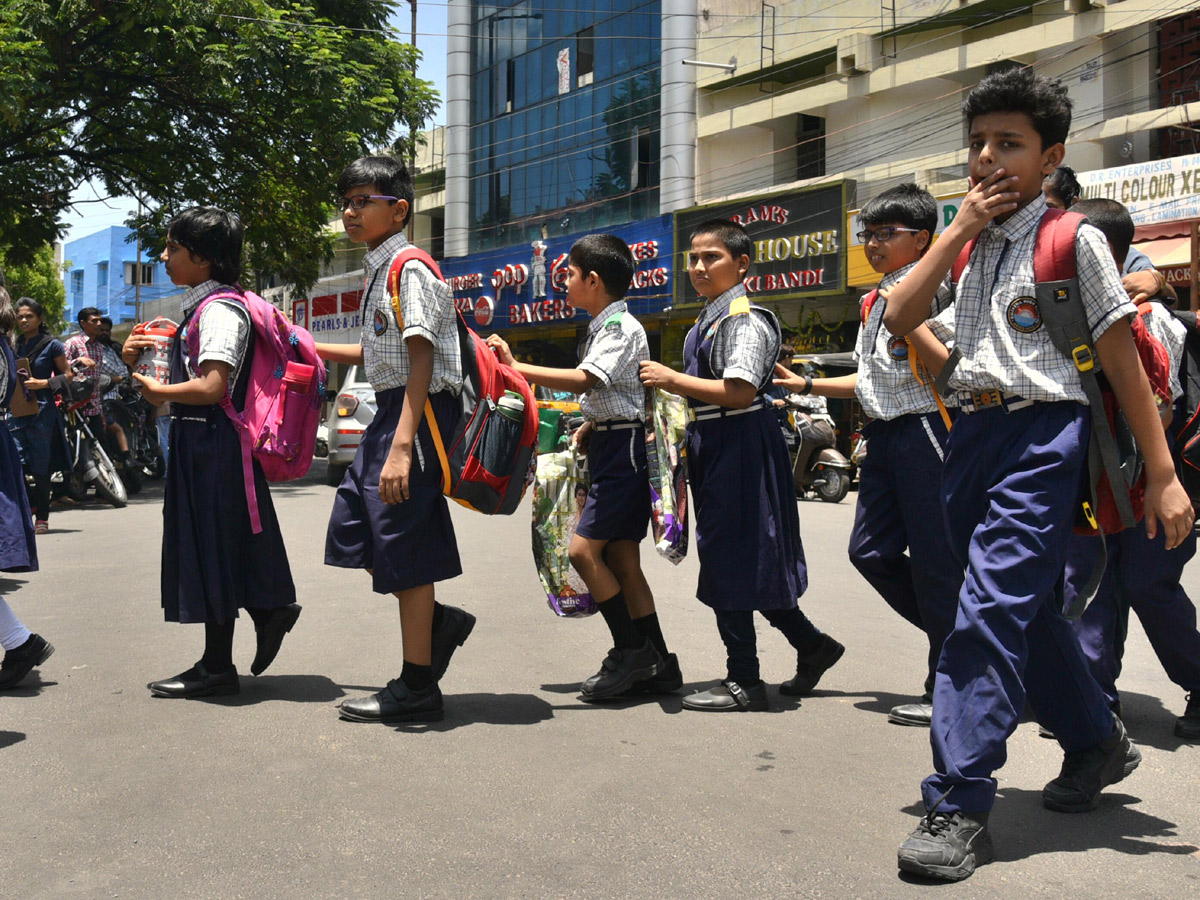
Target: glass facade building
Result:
[[564, 133]]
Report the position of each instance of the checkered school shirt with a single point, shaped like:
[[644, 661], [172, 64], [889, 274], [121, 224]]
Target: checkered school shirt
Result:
[[77, 347], [748, 347], [613, 349], [998, 330], [224, 330], [114, 366], [886, 387], [1171, 333], [428, 309]]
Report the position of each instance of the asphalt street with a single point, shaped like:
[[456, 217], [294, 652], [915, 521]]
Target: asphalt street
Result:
[[523, 791]]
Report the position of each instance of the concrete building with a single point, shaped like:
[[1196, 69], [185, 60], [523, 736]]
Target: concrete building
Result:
[[102, 270]]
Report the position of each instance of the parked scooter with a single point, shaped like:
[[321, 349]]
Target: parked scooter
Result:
[[135, 416], [817, 465], [90, 465]]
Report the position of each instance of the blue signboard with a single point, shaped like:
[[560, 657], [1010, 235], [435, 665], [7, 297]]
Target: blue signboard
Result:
[[526, 285]]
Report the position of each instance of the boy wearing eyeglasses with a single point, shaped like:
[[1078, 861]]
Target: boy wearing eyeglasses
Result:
[[898, 543], [389, 516]]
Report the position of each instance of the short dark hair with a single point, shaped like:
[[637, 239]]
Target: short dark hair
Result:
[[906, 204], [86, 313], [1112, 219], [388, 174], [609, 257], [105, 320], [213, 235], [1020, 90], [1062, 181], [729, 233], [38, 310]]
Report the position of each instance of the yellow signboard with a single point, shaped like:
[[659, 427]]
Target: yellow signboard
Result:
[[858, 271]]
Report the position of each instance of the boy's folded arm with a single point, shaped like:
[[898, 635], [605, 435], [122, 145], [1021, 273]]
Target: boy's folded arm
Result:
[[932, 352], [351, 354], [910, 302], [1166, 501]]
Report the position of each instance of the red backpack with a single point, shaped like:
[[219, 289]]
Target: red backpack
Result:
[[487, 462], [1113, 456], [278, 422]]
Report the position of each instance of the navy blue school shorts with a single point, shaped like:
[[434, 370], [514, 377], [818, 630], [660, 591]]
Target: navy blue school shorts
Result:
[[405, 544], [618, 502]]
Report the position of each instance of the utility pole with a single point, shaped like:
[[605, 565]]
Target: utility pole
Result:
[[412, 128], [137, 269]]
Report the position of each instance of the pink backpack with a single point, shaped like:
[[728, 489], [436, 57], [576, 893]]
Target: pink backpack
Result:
[[278, 424]]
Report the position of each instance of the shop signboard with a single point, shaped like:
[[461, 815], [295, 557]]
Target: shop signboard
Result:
[[1163, 190], [526, 285], [799, 242]]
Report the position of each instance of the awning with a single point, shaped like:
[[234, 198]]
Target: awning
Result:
[[1168, 252]]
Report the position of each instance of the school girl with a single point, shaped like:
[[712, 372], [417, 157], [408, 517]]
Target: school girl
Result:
[[18, 552], [747, 523], [213, 564]]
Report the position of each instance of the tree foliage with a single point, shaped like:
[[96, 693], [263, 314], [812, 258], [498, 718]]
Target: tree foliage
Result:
[[41, 278], [251, 105]]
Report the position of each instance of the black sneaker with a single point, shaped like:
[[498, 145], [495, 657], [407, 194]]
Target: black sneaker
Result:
[[20, 661], [811, 667], [667, 680], [947, 845], [456, 628], [1086, 772], [621, 669], [1187, 726]]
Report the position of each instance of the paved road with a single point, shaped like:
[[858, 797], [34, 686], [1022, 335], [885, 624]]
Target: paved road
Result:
[[523, 791]]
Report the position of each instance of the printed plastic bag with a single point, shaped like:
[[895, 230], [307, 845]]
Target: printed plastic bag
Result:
[[666, 424], [559, 491]]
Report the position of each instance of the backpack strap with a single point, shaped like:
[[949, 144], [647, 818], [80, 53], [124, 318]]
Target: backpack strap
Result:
[[403, 258], [941, 384], [741, 306], [868, 301]]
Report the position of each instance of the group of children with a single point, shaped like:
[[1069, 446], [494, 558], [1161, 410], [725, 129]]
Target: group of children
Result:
[[998, 460]]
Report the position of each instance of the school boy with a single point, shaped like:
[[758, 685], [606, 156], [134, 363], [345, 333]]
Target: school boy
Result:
[[616, 514], [897, 543], [389, 516], [747, 523], [1016, 454], [1140, 573]]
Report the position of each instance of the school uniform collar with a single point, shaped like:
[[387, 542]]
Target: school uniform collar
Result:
[[719, 305], [193, 296], [891, 279], [382, 255], [1021, 222], [615, 308]]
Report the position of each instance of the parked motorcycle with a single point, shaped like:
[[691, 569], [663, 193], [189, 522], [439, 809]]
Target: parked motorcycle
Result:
[[817, 465], [90, 464], [136, 418]]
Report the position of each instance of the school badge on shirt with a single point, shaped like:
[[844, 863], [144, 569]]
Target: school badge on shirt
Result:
[[898, 349], [1024, 315], [380, 323]]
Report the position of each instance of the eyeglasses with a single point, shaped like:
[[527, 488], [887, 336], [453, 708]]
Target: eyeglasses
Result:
[[359, 201], [884, 234]]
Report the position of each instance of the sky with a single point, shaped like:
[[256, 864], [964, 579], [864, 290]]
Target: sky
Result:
[[95, 211]]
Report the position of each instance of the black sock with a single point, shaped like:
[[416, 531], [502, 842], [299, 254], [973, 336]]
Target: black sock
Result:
[[218, 646], [416, 678], [649, 628], [260, 617], [616, 616], [439, 615]]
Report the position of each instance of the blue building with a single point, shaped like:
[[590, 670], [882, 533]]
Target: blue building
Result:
[[102, 271]]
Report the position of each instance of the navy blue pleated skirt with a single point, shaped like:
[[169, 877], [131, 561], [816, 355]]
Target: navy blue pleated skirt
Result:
[[212, 563], [407, 544], [747, 521], [18, 552]]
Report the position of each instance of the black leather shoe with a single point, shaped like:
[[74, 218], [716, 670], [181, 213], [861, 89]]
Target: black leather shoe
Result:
[[1187, 726], [1086, 772], [456, 628], [667, 680], [620, 670], [916, 715], [270, 636], [396, 704], [20, 661], [197, 682], [729, 696], [810, 668]]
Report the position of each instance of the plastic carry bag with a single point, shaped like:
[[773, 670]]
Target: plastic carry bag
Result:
[[559, 491], [666, 426]]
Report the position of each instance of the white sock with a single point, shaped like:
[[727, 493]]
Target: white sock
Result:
[[12, 633]]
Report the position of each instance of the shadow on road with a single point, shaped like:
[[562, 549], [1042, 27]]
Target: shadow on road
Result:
[[487, 709], [281, 688], [1150, 723], [8, 738]]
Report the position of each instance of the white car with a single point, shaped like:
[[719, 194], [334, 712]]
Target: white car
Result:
[[352, 411]]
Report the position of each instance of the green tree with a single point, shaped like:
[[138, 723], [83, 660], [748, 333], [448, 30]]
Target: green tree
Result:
[[251, 105], [41, 278]]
